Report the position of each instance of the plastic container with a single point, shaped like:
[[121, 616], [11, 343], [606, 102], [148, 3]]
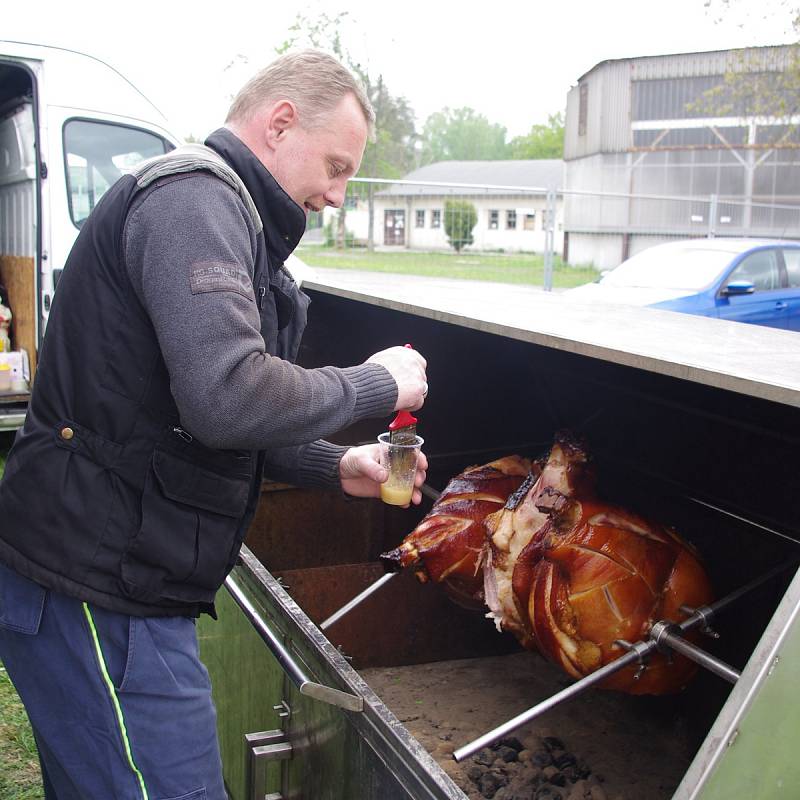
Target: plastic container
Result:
[[5, 378]]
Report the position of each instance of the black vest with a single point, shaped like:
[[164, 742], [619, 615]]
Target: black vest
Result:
[[105, 496]]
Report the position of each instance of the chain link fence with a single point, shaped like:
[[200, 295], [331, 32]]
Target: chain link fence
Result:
[[511, 224]]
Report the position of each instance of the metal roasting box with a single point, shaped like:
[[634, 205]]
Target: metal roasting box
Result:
[[696, 421]]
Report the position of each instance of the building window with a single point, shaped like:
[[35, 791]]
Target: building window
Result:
[[494, 220], [511, 220], [529, 223], [436, 218], [420, 218], [583, 108]]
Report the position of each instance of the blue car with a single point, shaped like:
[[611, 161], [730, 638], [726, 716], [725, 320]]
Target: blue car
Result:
[[745, 280]]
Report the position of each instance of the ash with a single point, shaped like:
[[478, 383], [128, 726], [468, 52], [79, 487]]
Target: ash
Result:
[[598, 746]]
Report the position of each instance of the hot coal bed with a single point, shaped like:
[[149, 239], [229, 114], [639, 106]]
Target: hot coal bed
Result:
[[716, 464]]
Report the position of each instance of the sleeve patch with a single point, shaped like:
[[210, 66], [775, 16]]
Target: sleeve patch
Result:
[[213, 276]]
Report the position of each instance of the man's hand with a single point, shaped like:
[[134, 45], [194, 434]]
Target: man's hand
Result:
[[362, 475], [407, 367]]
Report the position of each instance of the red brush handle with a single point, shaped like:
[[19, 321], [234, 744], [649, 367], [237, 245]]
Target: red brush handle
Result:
[[402, 420]]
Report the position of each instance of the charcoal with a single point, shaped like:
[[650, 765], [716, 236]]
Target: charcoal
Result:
[[512, 741], [508, 754], [552, 743], [564, 760], [547, 793], [541, 758], [489, 784]]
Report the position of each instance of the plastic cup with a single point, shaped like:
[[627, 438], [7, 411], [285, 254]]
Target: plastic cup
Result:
[[400, 461]]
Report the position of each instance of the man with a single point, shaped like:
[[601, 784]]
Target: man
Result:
[[165, 389]]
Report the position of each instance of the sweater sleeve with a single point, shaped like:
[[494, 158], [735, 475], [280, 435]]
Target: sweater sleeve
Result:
[[307, 465], [229, 391]]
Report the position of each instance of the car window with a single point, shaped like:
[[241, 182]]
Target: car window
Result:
[[759, 268], [96, 154], [792, 260], [670, 268]]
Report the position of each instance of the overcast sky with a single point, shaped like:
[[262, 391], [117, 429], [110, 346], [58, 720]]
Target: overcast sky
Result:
[[512, 60]]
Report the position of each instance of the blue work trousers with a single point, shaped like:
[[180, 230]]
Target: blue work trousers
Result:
[[120, 706]]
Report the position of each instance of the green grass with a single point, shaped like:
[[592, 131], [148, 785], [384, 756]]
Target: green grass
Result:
[[517, 268], [20, 778]]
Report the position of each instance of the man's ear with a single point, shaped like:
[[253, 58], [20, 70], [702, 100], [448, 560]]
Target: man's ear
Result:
[[280, 118]]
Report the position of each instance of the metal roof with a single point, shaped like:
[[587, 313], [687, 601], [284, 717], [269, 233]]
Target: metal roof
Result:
[[501, 176], [769, 57]]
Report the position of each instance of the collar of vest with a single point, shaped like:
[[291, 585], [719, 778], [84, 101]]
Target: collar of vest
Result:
[[284, 221], [190, 157]]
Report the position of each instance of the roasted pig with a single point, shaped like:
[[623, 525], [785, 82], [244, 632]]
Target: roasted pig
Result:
[[597, 576], [575, 578], [447, 544]]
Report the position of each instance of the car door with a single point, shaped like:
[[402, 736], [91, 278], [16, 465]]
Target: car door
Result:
[[791, 260], [767, 304]]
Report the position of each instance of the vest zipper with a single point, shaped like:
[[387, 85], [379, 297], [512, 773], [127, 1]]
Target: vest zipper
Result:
[[262, 292], [187, 437]]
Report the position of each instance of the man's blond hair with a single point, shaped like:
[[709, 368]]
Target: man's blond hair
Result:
[[314, 81]]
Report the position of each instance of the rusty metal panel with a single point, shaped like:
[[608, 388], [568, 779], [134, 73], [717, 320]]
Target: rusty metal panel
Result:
[[392, 626], [296, 528]]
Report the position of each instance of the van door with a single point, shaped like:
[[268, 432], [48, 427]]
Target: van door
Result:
[[20, 226]]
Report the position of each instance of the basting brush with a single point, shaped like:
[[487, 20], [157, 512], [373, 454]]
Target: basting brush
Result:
[[403, 428]]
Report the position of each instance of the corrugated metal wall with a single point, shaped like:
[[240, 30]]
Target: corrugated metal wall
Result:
[[688, 162], [608, 117], [652, 88]]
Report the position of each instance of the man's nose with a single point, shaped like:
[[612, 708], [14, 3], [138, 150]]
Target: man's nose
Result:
[[335, 195]]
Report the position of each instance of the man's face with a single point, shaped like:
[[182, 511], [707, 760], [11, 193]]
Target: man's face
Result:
[[313, 166]]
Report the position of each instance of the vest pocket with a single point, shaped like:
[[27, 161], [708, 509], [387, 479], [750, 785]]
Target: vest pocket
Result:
[[191, 517]]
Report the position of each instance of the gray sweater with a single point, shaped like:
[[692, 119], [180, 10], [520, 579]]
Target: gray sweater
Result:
[[229, 391]]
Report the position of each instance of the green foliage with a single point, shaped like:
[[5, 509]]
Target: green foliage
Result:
[[391, 153], [750, 87], [460, 217], [543, 141], [349, 239], [462, 134], [20, 778]]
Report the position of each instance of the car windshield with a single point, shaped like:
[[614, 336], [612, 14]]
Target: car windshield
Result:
[[669, 268]]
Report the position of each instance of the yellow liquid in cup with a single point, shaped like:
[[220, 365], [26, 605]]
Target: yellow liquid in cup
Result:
[[396, 495]]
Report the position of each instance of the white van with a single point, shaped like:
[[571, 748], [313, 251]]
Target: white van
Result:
[[70, 125]]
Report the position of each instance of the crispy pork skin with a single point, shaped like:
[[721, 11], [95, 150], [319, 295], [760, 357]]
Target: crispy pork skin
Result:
[[447, 544], [596, 574], [567, 471]]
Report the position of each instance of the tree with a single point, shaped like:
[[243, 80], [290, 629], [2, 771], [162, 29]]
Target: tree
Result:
[[462, 134], [390, 154], [543, 141], [460, 217], [752, 88]]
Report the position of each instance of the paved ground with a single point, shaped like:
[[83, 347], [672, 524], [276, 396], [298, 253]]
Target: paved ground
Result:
[[415, 289]]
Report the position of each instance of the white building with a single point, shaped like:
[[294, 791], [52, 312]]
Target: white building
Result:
[[510, 198]]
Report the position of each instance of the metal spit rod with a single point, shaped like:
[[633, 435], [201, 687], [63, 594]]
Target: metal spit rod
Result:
[[357, 600], [375, 585], [636, 652]]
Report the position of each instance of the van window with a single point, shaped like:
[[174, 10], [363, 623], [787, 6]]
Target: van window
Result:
[[96, 154]]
